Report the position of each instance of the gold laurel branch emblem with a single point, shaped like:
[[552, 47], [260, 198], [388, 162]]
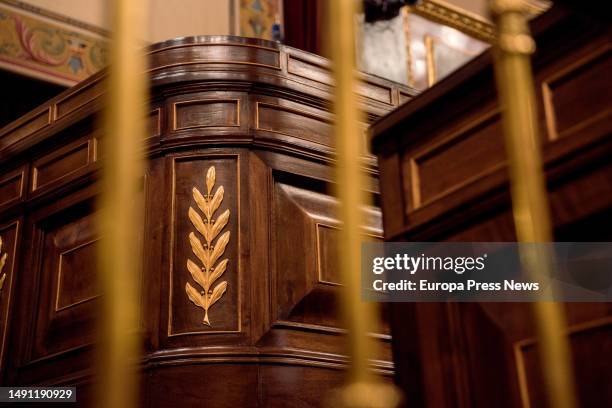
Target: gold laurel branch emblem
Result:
[[208, 271]]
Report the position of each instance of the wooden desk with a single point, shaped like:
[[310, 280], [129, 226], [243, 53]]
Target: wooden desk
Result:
[[443, 177]]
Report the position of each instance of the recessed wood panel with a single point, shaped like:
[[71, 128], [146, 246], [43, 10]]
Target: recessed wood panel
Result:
[[9, 233], [185, 317], [206, 113], [61, 163], [11, 186], [228, 53], [79, 98], [470, 153], [320, 72], [374, 91], [328, 241], [74, 284], [154, 123], [294, 123], [39, 121], [306, 291], [579, 93], [309, 70], [66, 310], [591, 348]]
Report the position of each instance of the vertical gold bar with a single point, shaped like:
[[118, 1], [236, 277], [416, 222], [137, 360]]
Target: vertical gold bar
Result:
[[528, 187], [350, 181], [119, 206], [362, 390]]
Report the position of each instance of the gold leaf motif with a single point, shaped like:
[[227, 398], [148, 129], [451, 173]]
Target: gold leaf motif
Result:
[[219, 225], [197, 221], [217, 272], [217, 292], [209, 252], [197, 274], [198, 249], [210, 178], [194, 296], [200, 200], [219, 248], [216, 201]]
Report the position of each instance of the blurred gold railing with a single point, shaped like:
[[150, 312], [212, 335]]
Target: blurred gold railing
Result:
[[362, 388], [121, 212], [514, 46]]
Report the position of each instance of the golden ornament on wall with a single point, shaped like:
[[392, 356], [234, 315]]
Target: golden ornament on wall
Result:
[[208, 252]]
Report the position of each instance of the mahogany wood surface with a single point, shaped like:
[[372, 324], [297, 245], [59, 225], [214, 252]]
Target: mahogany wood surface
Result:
[[443, 177], [257, 111]]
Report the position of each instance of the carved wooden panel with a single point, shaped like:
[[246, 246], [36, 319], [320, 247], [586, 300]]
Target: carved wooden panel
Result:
[[466, 155], [577, 95], [317, 69], [12, 186], [294, 122], [62, 163], [37, 122], [188, 175], [590, 342], [206, 113], [77, 99], [209, 53], [307, 284], [211, 329], [375, 91], [154, 123], [73, 286], [66, 306], [9, 238]]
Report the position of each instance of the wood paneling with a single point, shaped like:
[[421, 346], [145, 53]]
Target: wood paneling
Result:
[[307, 285], [445, 148], [62, 163], [195, 385], [210, 53], [188, 173], [206, 113], [294, 123], [590, 344], [463, 157], [574, 95], [74, 284], [317, 69], [71, 101], [154, 125], [66, 277], [37, 122], [226, 102], [10, 234], [12, 186], [375, 91]]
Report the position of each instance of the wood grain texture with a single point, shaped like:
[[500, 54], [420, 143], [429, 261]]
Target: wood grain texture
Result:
[[446, 180], [224, 102]]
